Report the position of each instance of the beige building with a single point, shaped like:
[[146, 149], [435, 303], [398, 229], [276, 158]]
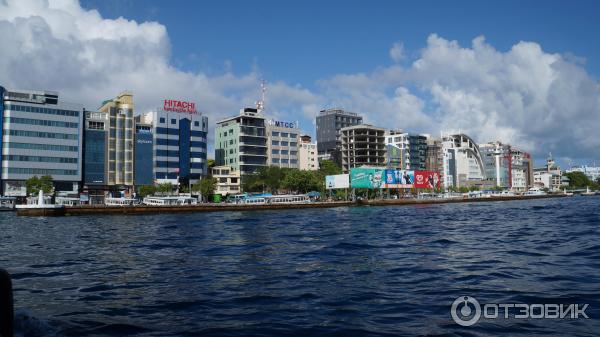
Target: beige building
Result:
[[307, 154], [228, 180], [362, 145], [283, 138], [120, 138]]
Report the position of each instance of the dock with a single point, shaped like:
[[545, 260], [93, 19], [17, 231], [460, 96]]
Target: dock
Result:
[[146, 209]]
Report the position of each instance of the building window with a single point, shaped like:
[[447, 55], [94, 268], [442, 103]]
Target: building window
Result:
[[162, 120], [284, 143], [275, 151], [284, 134], [173, 121], [275, 142], [293, 135], [275, 134], [293, 153], [196, 123], [284, 151], [293, 144], [275, 160], [284, 161]]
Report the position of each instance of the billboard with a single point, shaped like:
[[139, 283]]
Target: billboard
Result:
[[337, 181], [179, 106], [364, 177], [427, 179], [399, 178]]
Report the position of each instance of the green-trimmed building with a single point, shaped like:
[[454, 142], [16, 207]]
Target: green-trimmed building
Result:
[[241, 142]]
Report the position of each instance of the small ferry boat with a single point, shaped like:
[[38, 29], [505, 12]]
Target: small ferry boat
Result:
[[39, 202], [174, 200], [535, 191], [7, 203], [120, 201], [269, 199]]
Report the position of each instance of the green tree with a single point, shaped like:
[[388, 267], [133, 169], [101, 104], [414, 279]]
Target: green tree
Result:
[[146, 190], [206, 186], [329, 168], [210, 164], [165, 188], [578, 180], [302, 181], [35, 184]]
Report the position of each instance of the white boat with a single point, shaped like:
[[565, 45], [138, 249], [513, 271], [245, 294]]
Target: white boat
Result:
[[7, 203], [535, 191], [588, 192], [174, 200], [569, 194], [120, 201]]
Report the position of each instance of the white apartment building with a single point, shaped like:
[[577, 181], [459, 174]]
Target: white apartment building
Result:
[[283, 139], [307, 154]]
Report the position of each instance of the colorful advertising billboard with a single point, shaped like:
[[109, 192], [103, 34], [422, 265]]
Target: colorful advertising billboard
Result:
[[399, 179], [427, 179], [366, 177], [337, 181]]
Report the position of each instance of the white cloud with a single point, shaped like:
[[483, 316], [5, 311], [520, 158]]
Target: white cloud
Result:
[[534, 99], [58, 45]]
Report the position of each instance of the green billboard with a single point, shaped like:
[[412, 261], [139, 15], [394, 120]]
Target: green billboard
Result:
[[367, 177]]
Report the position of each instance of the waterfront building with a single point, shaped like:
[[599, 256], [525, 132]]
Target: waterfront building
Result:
[[462, 161], [241, 142], [329, 122], [179, 134], [41, 135], [549, 176], [120, 140], [143, 150], [592, 172], [282, 143], [434, 159], [228, 180], [521, 170], [307, 154], [406, 151], [95, 155], [362, 145], [497, 163]]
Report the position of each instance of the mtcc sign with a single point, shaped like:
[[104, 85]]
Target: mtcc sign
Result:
[[289, 125]]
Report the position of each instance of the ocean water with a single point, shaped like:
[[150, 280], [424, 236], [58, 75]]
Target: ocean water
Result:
[[352, 271]]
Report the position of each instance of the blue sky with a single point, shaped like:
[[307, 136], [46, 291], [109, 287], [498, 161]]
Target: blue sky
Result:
[[522, 72], [303, 41]]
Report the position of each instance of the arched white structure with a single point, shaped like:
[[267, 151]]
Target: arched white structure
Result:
[[462, 160]]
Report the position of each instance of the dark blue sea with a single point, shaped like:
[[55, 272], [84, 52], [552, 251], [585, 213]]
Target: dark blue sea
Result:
[[352, 271]]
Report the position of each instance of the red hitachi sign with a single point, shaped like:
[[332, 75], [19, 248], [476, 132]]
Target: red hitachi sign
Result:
[[179, 106]]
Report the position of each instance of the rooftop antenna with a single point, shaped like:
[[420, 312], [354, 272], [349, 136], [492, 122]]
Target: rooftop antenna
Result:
[[260, 105]]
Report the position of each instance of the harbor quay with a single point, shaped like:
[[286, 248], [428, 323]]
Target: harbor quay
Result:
[[199, 208]]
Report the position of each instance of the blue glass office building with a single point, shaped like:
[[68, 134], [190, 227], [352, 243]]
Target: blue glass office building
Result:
[[179, 146], [143, 147]]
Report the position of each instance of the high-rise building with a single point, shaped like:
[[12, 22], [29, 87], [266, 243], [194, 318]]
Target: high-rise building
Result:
[[120, 139], [434, 155], [241, 142], [497, 163], [95, 155], [282, 143], [521, 170], [362, 145], [307, 154], [329, 123], [411, 149], [463, 164], [41, 135], [143, 147], [179, 135]]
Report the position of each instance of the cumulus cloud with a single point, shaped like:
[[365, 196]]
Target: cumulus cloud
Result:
[[58, 45], [526, 96]]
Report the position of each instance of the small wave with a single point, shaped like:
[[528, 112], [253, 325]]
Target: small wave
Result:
[[27, 325]]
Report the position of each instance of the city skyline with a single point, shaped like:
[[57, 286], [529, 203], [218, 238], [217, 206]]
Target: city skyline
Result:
[[442, 78]]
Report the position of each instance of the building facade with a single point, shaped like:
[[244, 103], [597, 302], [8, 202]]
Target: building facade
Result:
[[179, 135], [548, 176], [95, 154], [329, 122], [411, 150], [592, 172], [143, 149], [241, 142], [41, 135], [228, 180], [462, 162], [434, 159], [362, 145], [282, 143], [307, 154], [120, 139], [497, 162]]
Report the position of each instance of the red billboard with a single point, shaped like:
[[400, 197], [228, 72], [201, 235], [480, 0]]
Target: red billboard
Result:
[[179, 106], [427, 179]]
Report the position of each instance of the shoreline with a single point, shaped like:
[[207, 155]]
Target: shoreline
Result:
[[145, 209]]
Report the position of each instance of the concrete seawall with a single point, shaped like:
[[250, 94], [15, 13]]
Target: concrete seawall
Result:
[[144, 209]]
